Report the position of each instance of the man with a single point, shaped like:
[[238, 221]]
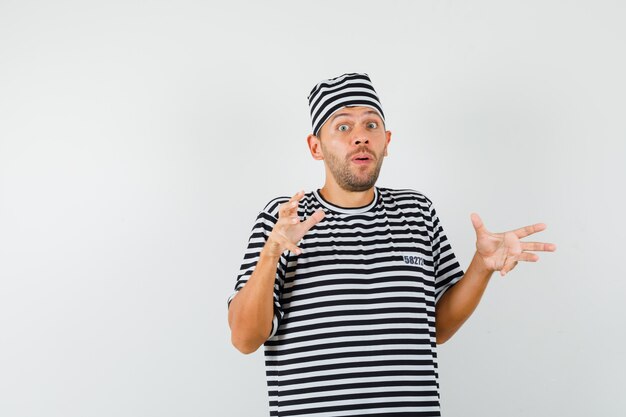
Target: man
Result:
[[351, 287]]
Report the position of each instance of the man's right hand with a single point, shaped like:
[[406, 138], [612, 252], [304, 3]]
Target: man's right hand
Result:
[[288, 230]]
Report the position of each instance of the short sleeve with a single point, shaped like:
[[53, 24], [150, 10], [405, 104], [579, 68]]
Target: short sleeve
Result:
[[446, 267], [262, 228]]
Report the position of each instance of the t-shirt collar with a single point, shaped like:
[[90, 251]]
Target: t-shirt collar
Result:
[[346, 210]]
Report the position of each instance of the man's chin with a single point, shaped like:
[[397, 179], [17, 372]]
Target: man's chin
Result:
[[356, 189], [360, 186]]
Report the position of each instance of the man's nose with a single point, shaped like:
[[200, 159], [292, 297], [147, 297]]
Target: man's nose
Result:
[[359, 136]]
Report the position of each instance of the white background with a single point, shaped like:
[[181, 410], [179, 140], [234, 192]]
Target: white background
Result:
[[138, 141]]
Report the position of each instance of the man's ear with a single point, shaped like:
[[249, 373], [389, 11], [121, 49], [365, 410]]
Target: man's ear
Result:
[[388, 135], [315, 147]]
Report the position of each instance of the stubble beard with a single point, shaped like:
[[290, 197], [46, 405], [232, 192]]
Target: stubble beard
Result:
[[345, 176]]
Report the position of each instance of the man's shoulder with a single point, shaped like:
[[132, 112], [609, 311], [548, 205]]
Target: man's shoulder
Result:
[[405, 195], [273, 205]]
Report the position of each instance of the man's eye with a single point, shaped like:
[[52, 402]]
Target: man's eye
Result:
[[373, 125], [341, 128]]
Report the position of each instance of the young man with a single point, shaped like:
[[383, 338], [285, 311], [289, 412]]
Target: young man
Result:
[[351, 287]]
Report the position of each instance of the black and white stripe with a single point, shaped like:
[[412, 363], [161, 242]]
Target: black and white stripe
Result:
[[354, 325], [352, 89]]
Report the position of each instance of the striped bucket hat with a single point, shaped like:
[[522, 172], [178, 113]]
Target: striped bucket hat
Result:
[[352, 89]]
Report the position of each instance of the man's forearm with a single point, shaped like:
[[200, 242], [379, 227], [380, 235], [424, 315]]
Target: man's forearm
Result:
[[460, 301], [251, 311]]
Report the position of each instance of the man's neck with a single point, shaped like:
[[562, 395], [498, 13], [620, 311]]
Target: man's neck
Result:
[[342, 198]]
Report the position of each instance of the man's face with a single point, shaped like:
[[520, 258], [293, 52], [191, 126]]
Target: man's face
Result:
[[354, 143]]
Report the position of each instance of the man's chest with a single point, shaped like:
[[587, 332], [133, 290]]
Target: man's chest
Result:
[[360, 265]]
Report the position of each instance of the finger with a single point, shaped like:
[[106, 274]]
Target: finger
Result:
[[286, 222], [507, 268], [477, 222], [314, 219], [538, 246], [294, 219], [294, 201], [528, 257], [293, 248], [287, 208], [297, 196], [529, 230]]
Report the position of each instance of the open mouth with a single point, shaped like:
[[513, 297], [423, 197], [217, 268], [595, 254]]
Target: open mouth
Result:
[[362, 159]]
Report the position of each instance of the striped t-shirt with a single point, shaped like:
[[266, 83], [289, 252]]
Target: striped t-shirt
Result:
[[353, 332]]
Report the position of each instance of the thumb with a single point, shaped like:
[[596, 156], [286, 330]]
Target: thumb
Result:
[[477, 222], [314, 219]]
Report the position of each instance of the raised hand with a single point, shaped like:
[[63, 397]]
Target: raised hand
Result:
[[288, 230], [502, 251]]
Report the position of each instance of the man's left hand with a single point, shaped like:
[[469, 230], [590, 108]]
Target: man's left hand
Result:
[[502, 251]]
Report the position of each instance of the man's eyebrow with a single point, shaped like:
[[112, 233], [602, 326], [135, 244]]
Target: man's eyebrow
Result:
[[349, 115]]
